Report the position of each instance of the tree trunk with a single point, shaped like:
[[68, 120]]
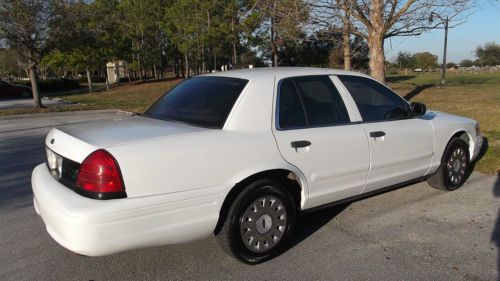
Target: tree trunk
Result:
[[235, 58], [176, 68], [376, 40], [346, 38], [186, 66], [155, 71], [377, 57], [89, 81], [274, 58], [203, 60], [347, 49], [37, 101], [139, 66], [107, 83]]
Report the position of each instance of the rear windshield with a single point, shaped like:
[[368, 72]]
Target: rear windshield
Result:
[[199, 101]]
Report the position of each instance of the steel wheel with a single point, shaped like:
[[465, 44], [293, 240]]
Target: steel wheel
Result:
[[263, 224], [456, 166], [259, 222]]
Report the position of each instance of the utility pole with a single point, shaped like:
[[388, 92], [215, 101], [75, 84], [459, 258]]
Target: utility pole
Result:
[[443, 69], [445, 22]]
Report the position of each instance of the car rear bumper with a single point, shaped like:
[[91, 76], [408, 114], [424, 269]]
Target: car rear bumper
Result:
[[100, 227]]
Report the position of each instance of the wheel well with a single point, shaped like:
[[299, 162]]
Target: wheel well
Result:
[[285, 177], [465, 137]]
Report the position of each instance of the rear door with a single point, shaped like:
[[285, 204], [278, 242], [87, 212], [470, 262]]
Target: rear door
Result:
[[401, 147], [314, 132]]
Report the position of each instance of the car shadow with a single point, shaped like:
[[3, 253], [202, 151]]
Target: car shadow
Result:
[[418, 89], [495, 235], [310, 222], [399, 78]]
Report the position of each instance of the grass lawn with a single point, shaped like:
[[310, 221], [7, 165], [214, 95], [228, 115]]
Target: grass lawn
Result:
[[472, 95]]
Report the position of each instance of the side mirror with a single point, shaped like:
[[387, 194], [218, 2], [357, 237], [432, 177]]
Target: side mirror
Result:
[[418, 109]]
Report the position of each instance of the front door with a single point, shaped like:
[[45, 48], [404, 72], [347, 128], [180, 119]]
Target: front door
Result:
[[401, 147]]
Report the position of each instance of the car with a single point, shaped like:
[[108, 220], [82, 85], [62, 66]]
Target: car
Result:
[[240, 154], [8, 90]]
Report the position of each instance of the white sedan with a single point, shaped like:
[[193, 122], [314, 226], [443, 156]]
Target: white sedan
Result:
[[240, 154]]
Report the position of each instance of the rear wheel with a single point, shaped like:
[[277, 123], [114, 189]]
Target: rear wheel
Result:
[[454, 168], [259, 223]]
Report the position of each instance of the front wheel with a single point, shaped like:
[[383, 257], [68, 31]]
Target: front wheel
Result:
[[259, 223], [454, 168]]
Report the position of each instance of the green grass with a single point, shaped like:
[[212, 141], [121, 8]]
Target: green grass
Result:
[[474, 95], [452, 78], [134, 98]]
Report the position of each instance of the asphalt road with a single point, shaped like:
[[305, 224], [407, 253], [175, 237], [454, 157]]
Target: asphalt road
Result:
[[25, 103], [413, 233]]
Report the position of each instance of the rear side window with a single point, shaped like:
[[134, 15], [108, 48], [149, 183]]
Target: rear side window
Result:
[[199, 101], [310, 101], [375, 101], [291, 112]]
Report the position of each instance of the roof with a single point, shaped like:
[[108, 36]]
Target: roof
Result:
[[262, 72]]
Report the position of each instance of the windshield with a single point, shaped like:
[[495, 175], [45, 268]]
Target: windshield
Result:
[[199, 101]]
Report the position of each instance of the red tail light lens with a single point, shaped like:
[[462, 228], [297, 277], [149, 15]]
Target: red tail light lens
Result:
[[99, 173]]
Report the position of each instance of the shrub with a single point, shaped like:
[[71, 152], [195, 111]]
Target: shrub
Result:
[[54, 85]]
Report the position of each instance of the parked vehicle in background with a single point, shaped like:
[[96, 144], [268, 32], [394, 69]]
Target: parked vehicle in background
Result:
[[240, 154], [8, 90]]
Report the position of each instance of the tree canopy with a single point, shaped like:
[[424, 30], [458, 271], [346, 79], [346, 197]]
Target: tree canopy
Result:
[[489, 54], [190, 37]]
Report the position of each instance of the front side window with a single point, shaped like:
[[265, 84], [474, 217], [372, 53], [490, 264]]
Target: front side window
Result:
[[310, 101], [199, 101], [375, 101]]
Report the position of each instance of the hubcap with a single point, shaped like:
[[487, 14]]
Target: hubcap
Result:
[[456, 165], [263, 224]]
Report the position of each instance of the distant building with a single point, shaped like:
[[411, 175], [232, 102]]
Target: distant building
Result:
[[115, 70]]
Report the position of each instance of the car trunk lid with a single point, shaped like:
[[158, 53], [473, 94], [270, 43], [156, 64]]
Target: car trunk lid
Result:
[[104, 134]]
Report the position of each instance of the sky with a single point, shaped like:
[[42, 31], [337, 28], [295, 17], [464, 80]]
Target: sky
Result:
[[481, 27]]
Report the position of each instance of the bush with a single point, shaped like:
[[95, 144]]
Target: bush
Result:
[[95, 79], [54, 85]]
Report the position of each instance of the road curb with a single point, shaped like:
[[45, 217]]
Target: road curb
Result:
[[64, 113]]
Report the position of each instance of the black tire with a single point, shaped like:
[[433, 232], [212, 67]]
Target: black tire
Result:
[[237, 228], [455, 167]]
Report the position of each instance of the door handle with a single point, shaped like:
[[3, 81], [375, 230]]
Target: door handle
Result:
[[377, 134], [301, 143]]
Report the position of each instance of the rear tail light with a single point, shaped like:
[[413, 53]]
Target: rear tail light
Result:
[[99, 176]]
